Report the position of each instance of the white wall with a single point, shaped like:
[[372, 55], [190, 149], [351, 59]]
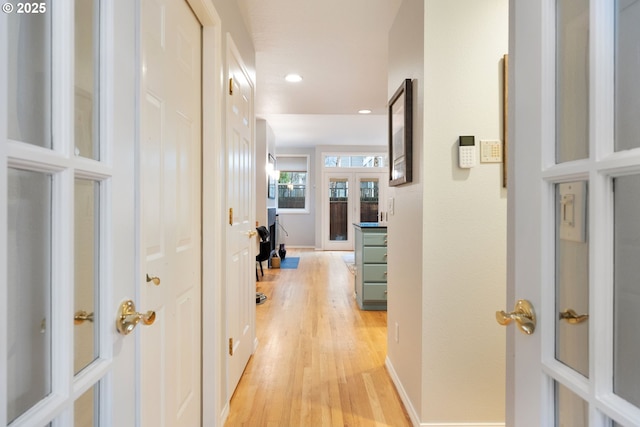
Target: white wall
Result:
[[464, 257], [405, 226], [448, 357], [265, 144]]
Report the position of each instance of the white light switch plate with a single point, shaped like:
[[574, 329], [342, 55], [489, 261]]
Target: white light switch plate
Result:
[[490, 151]]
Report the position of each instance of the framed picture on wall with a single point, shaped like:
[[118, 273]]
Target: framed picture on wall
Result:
[[271, 183], [400, 135]]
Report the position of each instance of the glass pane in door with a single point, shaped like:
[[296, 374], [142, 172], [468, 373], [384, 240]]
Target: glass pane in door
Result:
[[571, 410], [85, 408], [369, 190], [627, 71], [87, 232], [29, 290], [29, 69], [86, 79], [626, 346], [338, 209], [572, 276], [572, 80]]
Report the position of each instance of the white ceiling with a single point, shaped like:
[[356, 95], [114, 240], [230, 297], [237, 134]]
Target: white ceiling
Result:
[[340, 49]]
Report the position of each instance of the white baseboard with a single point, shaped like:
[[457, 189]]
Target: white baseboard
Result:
[[411, 410], [224, 415], [413, 415], [462, 425]]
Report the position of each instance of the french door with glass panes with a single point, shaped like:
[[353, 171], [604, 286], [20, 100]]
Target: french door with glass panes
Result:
[[56, 250], [351, 197], [574, 209]]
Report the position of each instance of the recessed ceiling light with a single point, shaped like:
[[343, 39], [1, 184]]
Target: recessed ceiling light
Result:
[[365, 111], [293, 78]]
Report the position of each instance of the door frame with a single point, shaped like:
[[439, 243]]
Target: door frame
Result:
[[212, 216], [353, 176]]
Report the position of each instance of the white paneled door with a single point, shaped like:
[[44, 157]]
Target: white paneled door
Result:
[[170, 204], [573, 214], [240, 286]]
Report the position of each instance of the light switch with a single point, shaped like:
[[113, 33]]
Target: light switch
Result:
[[573, 211], [490, 151]]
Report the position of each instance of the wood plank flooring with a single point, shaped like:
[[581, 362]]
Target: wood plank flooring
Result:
[[320, 360]]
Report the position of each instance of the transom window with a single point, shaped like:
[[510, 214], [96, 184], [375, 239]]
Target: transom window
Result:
[[355, 161]]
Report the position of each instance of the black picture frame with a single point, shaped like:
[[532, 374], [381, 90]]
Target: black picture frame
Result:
[[400, 135], [271, 183]]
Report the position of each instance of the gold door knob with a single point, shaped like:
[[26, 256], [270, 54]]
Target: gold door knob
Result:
[[154, 279], [251, 233], [128, 318], [572, 317], [82, 316], [523, 314]]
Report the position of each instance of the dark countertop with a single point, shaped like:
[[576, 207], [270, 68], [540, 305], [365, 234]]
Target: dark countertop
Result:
[[369, 225]]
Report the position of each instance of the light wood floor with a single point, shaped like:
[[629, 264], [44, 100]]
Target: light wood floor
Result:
[[320, 360]]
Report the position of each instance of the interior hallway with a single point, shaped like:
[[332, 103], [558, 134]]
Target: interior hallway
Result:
[[320, 360]]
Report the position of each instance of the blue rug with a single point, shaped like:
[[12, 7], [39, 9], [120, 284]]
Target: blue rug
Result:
[[290, 262]]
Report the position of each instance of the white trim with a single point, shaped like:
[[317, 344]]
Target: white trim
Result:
[[213, 192], [408, 405], [4, 53], [462, 425], [120, 107]]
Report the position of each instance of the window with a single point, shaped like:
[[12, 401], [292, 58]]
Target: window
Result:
[[293, 182], [292, 188], [355, 161]]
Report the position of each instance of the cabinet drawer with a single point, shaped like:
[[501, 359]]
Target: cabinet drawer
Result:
[[375, 239], [375, 292], [375, 254], [375, 273]]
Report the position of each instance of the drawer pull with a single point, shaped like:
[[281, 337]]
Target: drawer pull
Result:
[[385, 273], [385, 255]]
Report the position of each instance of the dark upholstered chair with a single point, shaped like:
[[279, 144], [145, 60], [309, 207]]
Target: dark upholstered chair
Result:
[[265, 248]]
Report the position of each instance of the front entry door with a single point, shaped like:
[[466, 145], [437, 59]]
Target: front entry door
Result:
[[573, 213], [338, 200], [170, 276], [241, 243]]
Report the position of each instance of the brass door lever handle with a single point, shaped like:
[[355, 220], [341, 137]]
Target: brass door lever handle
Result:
[[572, 317], [523, 314], [128, 318], [154, 279], [82, 316]]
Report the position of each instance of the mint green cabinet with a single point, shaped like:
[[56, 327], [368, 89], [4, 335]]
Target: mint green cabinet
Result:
[[371, 266]]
